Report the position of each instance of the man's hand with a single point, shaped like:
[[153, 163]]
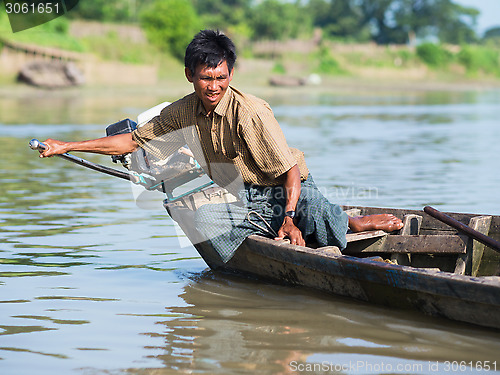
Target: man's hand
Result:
[[54, 147], [289, 230]]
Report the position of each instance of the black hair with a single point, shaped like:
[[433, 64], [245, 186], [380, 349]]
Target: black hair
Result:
[[210, 48]]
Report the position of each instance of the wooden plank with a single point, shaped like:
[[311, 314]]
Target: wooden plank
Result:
[[468, 263], [358, 236], [411, 226], [353, 212], [422, 244]]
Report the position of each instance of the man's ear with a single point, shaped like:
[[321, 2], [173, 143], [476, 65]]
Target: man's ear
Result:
[[188, 74], [231, 75]]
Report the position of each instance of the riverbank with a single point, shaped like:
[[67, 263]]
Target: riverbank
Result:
[[256, 81], [108, 104], [119, 58]]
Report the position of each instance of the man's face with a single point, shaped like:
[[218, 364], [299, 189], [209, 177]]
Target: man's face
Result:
[[210, 84]]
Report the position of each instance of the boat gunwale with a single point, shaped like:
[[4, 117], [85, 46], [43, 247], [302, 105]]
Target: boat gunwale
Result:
[[492, 281]]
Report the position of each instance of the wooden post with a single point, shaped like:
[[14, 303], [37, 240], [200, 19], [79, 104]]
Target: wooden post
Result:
[[411, 226], [468, 263]]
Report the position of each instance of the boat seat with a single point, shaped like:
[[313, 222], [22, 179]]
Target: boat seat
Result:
[[409, 244], [358, 236]]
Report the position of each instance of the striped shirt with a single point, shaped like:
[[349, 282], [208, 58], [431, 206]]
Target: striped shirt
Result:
[[241, 132]]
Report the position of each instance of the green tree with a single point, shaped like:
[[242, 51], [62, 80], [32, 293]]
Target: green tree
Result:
[[433, 55], [493, 32], [339, 18], [479, 59], [380, 15], [229, 16], [274, 19], [492, 37], [449, 22], [170, 25], [107, 10], [394, 21], [455, 23], [223, 14]]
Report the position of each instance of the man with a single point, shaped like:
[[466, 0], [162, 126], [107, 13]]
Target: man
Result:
[[232, 134]]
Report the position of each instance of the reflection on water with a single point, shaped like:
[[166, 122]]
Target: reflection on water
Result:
[[267, 328], [90, 283]]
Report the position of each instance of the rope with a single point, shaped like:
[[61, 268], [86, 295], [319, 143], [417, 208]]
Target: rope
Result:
[[269, 230]]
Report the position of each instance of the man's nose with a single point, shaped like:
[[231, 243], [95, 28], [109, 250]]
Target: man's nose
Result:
[[212, 85]]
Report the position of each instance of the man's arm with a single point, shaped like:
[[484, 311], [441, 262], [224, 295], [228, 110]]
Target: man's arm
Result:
[[113, 145], [292, 188]]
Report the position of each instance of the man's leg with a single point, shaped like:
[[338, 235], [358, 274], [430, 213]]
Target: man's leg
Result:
[[326, 221], [318, 219], [225, 226]]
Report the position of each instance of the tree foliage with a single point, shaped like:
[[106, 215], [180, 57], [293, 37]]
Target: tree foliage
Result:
[[223, 13], [478, 59], [381, 21], [274, 19], [492, 36], [107, 10], [393, 21], [339, 19], [494, 32], [170, 25], [433, 55]]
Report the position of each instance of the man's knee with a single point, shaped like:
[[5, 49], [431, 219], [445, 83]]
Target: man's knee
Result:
[[318, 206], [219, 214]]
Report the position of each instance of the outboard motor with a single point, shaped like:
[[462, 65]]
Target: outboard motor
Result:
[[167, 174], [121, 127]]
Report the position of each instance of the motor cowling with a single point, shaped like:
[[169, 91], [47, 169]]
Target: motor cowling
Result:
[[121, 127], [171, 172]]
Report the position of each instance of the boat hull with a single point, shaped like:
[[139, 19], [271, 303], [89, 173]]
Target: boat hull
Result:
[[462, 298]]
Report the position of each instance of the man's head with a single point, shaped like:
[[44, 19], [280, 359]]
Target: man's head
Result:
[[209, 48], [209, 65]]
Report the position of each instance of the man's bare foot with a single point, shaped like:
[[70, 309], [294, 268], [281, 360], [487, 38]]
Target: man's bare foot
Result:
[[385, 222]]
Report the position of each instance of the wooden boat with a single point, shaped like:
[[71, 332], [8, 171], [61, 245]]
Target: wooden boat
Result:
[[427, 266]]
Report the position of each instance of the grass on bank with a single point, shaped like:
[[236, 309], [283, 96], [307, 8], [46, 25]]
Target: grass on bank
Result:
[[476, 60], [471, 61], [108, 46], [51, 34]]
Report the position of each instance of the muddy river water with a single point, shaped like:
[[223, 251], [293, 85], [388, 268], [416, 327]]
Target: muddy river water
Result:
[[92, 284]]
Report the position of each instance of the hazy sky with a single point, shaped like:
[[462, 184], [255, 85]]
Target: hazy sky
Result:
[[490, 12]]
